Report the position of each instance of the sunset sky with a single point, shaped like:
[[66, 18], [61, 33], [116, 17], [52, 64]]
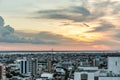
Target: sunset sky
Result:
[[59, 24]]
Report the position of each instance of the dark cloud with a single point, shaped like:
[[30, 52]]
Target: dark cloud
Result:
[[105, 26], [83, 13], [50, 11], [6, 30], [58, 16], [74, 13], [77, 9], [45, 38], [1, 21], [65, 24], [51, 38], [9, 35], [13, 39], [74, 9]]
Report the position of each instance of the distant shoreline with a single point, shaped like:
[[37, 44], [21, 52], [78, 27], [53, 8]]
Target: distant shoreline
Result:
[[80, 52]]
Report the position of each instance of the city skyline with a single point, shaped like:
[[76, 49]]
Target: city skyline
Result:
[[59, 25]]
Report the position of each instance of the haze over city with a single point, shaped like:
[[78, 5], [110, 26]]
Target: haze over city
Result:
[[59, 24]]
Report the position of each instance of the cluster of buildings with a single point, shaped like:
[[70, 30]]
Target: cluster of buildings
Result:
[[60, 67], [94, 73]]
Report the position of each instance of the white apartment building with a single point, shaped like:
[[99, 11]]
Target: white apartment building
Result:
[[23, 66], [114, 65], [93, 73]]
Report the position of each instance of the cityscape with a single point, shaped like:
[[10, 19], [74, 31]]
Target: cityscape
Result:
[[60, 65], [59, 39]]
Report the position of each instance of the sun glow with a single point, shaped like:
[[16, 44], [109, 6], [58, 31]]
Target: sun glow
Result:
[[79, 33]]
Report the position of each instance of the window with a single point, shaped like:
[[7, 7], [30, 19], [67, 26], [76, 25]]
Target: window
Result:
[[84, 77], [95, 78], [116, 63]]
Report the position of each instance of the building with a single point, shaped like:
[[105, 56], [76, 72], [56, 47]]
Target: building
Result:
[[33, 66], [93, 73], [23, 66], [86, 73], [48, 76], [49, 66], [1, 71], [114, 65], [109, 78]]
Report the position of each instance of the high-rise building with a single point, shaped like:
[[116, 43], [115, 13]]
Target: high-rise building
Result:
[[49, 66], [24, 66], [33, 66], [1, 71]]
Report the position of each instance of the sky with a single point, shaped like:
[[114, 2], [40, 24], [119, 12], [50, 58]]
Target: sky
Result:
[[59, 24]]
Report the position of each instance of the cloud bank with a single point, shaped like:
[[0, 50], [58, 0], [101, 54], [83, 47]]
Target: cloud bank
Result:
[[87, 11], [9, 35], [105, 13]]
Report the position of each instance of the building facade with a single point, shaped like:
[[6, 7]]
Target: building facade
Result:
[[93, 73], [33, 66], [114, 65], [24, 66], [1, 71]]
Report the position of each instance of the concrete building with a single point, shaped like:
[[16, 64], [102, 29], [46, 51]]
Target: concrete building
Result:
[[88, 68], [109, 78], [1, 71], [48, 76], [114, 65], [93, 73], [49, 66], [86, 73], [60, 70], [23, 66], [33, 66]]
